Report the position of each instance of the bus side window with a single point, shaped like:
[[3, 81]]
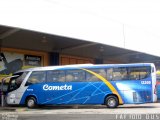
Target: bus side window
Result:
[[109, 73], [119, 73], [75, 75], [124, 73], [69, 77], [103, 73], [92, 77], [138, 73], [36, 77], [133, 73], [55, 76]]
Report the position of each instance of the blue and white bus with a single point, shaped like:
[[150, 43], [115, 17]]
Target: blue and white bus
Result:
[[106, 84]]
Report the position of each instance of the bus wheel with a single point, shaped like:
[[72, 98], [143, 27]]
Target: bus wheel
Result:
[[111, 101], [31, 102]]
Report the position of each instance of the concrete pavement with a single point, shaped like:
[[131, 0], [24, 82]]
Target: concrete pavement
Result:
[[149, 111], [150, 108]]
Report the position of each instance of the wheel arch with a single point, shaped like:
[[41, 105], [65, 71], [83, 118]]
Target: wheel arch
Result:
[[34, 96], [110, 95]]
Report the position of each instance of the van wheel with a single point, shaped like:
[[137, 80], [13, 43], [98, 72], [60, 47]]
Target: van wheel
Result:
[[111, 101], [31, 102]]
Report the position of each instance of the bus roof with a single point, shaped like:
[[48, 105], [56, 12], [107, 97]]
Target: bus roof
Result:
[[75, 66]]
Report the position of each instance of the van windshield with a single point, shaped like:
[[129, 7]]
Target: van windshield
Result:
[[16, 82]]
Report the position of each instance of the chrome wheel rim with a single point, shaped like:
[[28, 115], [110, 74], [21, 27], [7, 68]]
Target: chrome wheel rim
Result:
[[111, 102], [30, 103]]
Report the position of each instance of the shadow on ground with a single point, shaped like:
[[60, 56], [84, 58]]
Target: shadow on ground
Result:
[[52, 107]]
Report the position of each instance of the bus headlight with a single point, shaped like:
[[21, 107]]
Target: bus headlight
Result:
[[11, 96]]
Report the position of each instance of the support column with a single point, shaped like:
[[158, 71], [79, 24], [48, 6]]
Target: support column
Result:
[[54, 58]]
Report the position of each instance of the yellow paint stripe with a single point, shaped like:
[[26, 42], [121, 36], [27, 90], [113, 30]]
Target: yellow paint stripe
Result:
[[111, 87]]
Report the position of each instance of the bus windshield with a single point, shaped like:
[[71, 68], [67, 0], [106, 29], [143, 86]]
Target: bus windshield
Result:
[[15, 82]]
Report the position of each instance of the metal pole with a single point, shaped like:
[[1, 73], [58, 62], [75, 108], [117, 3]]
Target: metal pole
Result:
[[2, 93]]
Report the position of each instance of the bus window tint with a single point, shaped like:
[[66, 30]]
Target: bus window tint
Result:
[[103, 73], [75, 75], [36, 77], [109, 74], [120, 74], [16, 81], [92, 77], [138, 73], [56, 76]]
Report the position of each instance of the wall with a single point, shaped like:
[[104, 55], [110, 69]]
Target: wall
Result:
[[67, 59], [16, 59]]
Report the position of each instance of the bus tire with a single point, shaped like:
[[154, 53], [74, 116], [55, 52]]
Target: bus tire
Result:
[[31, 102], [111, 101]]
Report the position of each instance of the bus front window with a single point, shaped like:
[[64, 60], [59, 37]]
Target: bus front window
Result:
[[16, 82]]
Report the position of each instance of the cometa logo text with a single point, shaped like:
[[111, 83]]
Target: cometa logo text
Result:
[[62, 87]]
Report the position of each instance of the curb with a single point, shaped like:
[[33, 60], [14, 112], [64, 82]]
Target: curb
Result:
[[7, 109]]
